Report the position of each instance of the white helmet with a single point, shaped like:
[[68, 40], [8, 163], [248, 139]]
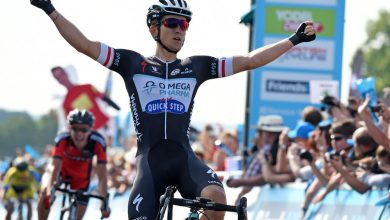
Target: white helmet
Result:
[[168, 7]]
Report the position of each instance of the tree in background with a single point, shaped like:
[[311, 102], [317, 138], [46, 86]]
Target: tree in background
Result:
[[376, 50], [18, 129]]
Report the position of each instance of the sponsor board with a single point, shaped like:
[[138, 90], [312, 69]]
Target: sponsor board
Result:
[[306, 2], [285, 20], [288, 87], [321, 88], [318, 56]]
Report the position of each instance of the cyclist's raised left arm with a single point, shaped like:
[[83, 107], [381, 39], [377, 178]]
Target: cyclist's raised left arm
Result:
[[268, 53], [69, 31]]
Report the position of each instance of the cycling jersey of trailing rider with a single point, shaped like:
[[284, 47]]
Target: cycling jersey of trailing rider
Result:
[[162, 93], [77, 164], [21, 183]]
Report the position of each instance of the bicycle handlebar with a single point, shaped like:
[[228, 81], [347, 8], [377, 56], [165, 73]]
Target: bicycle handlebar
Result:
[[79, 192], [200, 203]]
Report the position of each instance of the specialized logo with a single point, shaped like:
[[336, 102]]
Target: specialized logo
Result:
[[144, 64], [212, 173], [137, 201]]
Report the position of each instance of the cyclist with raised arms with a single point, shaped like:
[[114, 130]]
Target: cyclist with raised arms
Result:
[[161, 89], [72, 163]]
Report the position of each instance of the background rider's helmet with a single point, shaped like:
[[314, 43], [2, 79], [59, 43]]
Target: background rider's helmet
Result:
[[80, 116], [20, 163], [168, 7]]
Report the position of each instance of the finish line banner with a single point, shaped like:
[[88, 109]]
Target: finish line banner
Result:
[[285, 203]]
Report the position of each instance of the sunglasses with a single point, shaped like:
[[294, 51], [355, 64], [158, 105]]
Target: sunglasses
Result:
[[83, 130], [336, 138], [174, 23]]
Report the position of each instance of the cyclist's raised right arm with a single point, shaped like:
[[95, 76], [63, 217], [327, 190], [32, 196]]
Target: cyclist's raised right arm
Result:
[[69, 31]]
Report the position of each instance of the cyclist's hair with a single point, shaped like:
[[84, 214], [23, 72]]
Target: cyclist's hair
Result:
[[80, 116], [167, 7]]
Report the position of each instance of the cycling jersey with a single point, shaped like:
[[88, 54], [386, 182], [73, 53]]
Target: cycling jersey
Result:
[[162, 93], [21, 183], [77, 164], [161, 99]]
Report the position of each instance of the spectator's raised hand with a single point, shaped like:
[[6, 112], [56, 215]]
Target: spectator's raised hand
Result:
[[363, 108]]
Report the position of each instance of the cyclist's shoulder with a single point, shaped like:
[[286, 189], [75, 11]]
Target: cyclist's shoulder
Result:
[[97, 137], [200, 58], [62, 136]]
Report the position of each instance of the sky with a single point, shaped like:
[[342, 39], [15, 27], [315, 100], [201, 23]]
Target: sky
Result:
[[30, 46]]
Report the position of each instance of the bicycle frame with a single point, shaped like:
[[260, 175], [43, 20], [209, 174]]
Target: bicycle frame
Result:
[[199, 204]]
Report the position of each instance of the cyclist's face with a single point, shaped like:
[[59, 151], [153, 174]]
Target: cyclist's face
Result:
[[173, 31], [79, 134]]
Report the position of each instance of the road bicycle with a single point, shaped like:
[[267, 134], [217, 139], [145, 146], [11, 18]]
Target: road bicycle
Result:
[[197, 206], [20, 206], [72, 196]]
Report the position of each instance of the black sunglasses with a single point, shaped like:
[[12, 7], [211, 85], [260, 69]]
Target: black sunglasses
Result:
[[174, 23], [83, 130], [336, 138]]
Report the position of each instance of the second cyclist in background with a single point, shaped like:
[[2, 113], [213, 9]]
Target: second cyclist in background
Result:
[[72, 161], [21, 182]]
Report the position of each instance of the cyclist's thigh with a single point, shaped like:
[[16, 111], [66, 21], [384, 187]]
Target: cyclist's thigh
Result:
[[195, 177], [142, 202]]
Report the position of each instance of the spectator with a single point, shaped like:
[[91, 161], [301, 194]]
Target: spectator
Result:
[[340, 132], [227, 146], [207, 138], [266, 140]]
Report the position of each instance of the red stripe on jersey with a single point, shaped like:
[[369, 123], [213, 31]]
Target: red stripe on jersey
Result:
[[108, 57], [223, 67]]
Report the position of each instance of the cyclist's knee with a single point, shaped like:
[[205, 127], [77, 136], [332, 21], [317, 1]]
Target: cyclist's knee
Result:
[[215, 193], [9, 206]]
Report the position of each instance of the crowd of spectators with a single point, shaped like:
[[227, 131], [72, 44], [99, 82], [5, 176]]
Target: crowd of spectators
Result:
[[339, 145]]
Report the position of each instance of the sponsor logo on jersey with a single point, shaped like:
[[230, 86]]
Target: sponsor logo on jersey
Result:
[[213, 68], [161, 105], [158, 95], [136, 119], [149, 86], [144, 64], [155, 70], [186, 71], [117, 59], [175, 72], [212, 173]]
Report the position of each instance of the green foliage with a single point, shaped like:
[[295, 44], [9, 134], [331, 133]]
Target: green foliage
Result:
[[377, 50], [18, 129]]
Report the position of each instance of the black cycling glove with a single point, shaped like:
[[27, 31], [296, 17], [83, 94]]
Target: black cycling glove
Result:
[[45, 5], [300, 35]]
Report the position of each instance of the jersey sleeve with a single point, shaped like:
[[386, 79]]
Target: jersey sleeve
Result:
[[58, 150], [225, 67], [207, 67], [99, 148], [119, 60]]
